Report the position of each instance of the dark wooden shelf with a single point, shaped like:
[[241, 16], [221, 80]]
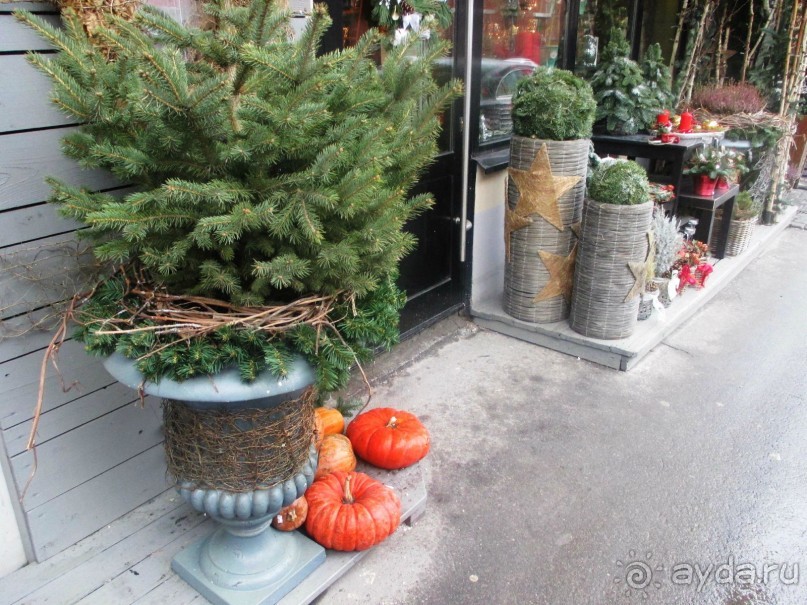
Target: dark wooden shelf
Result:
[[707, 206], [639, 146]]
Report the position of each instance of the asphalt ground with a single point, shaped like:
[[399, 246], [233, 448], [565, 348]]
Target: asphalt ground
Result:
[[556, 481]]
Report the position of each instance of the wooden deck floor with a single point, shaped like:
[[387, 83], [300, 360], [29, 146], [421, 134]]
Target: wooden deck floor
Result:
[[129, 561]]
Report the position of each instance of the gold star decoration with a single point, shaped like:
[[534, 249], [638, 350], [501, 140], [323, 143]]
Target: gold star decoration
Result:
[[651, 247], [561, 275], [639, 270], [512, 222], [539, 189]]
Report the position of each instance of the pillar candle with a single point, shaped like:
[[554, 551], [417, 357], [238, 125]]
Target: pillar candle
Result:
[[686, 122], [528, 45]]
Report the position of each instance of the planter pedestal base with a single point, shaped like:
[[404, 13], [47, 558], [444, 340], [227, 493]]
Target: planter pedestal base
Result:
[[249, 570]]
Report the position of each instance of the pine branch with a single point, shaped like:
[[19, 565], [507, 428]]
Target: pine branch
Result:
[[171, 31], [306, 48], [71, 47]]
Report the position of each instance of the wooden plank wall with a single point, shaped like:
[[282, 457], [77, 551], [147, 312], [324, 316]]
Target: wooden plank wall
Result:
[[99, 454]]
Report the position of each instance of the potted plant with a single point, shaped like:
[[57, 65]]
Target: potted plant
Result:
[[613, 251], [625, 102], [667, 241], [731, 169], [693, 270], [743, 220], [705, 167], [257, 253], [553, 111]]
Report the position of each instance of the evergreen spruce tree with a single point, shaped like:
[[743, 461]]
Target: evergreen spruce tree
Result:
[[625, 103], [264, 172], [658, 79]]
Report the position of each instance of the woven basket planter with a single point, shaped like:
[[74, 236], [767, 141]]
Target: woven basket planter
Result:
[[525, 274], [612, 236], [740, 232]]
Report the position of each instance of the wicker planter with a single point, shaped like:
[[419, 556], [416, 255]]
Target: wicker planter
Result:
[[525, 273], [612, 236], [740, 232]]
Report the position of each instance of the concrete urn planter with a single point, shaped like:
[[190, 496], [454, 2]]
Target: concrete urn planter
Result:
[[244, 561]]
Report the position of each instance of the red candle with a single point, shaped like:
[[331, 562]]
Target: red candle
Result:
[[663, 118], [528, 45], [686, 122]]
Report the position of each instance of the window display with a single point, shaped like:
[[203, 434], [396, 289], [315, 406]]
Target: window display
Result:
[[517, 35]]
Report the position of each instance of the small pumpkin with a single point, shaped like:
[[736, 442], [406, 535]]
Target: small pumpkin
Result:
[[292, 516], [351, 511], [328, 421], [388, 438], [335, 454]]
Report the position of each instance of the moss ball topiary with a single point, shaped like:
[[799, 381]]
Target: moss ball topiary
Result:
[[553, 104], [619, 182]]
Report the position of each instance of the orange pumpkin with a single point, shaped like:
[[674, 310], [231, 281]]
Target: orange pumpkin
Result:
[[335, 454], [293, 516], [388, 438], [351, 511], [328, 421]]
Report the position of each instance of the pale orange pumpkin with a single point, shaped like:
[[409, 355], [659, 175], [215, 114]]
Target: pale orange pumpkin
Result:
[[335, 454], [328, 421], [293, 516]]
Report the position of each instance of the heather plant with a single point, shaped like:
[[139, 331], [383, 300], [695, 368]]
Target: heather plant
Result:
[[729, 99]]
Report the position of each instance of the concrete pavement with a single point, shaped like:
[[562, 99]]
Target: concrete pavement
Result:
[[555, 481]]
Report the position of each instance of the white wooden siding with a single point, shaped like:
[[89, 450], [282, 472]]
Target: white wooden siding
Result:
[[100, 454]]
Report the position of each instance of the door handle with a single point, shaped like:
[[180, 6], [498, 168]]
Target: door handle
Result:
[[468, 224]]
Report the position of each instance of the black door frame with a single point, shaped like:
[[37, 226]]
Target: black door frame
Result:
[[450, 297]]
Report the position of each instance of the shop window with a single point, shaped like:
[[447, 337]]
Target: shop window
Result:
[[517, 36], [357, 19], [596, 18]]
